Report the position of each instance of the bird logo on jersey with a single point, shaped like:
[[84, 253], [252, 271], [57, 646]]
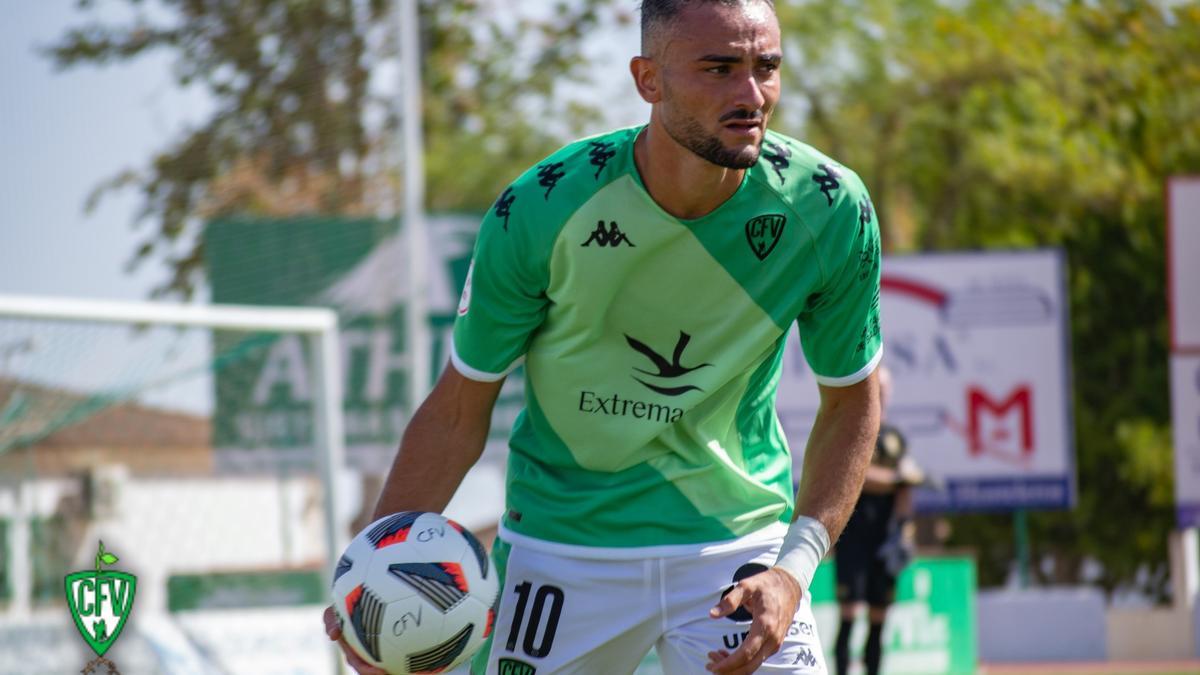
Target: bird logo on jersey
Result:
[[666, 369]]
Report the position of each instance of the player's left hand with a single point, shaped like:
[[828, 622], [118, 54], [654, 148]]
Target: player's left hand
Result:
[[772, 598]]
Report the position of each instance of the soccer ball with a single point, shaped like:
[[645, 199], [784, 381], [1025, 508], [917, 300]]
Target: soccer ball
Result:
[[414, 593]]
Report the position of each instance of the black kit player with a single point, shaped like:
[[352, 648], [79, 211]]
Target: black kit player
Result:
[[878, 540]]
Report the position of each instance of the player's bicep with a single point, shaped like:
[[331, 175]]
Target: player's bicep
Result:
[[504, 298], [839, 329]]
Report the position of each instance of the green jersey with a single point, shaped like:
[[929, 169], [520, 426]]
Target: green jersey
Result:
[[652, 345]]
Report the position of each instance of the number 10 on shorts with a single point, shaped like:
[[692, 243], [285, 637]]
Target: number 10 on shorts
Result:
[[545, 595]]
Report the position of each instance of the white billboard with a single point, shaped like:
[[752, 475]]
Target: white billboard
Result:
[[977, 344], [1185, 413], [1183, 247]]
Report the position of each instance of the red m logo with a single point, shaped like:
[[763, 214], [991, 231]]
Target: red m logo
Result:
[[987, 429]]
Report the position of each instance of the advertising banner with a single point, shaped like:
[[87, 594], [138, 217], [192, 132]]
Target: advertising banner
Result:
[[1183, 252], [1183, 280], [263, 414], [977, 346], [1185, 415], [930, 628]]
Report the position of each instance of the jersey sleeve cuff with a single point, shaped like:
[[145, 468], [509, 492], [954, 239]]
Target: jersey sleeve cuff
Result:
[[480, 375], [856, 377]]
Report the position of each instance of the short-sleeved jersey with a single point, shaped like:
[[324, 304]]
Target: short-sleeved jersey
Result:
[[652, 345]]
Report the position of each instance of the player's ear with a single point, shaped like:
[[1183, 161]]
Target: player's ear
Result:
[[645, 77]]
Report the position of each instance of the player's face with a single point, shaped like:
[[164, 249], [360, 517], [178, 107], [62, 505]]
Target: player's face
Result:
[[720, 81]]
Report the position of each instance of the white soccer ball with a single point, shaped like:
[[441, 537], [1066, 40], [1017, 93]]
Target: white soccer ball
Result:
[[415, 593]]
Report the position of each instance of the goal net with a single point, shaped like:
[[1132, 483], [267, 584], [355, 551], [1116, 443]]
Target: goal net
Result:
[[122, 423]]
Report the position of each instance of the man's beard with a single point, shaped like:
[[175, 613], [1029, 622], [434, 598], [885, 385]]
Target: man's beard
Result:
[[692, 136]]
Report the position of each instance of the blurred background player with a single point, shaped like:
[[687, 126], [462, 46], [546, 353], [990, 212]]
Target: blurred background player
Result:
[[878, 540]]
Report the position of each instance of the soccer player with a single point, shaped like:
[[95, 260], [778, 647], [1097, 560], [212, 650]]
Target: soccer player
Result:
[[877, 542], [647, 278]]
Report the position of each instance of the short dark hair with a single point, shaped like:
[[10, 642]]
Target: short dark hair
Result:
[[657, 15]]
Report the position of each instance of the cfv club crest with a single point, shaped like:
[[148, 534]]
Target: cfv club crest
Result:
[[100, 601], [763, 233]]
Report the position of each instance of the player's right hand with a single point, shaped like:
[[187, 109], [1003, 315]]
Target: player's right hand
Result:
[[334, 631], [771, 597]]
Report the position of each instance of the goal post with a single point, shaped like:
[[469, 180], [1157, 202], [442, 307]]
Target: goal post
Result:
[[318, 325]]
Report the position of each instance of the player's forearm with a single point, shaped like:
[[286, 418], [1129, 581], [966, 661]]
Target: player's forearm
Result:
[[838, 453], [835, 465], [440, 444]]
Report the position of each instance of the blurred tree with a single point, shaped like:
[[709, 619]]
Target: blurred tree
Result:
[[301, 122], [1013, 123]]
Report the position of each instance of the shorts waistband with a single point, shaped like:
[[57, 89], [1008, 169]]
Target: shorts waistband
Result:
[[773, 531]]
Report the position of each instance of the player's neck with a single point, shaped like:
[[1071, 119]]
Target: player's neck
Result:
[[679, 181]]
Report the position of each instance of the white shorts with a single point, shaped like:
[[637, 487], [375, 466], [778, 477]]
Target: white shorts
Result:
[[564, 613]]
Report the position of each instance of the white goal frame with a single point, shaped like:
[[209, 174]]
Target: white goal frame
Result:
[[318, 324]]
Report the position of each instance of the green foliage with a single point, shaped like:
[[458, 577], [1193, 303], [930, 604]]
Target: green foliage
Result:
[[299, 127], [998, 124]]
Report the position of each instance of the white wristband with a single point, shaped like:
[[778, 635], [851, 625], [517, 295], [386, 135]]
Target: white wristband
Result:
[[804, 545]]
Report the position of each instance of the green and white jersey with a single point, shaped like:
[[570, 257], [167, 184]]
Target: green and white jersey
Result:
[[652, 345]]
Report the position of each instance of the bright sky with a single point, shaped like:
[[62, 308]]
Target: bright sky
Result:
[[60, 135]]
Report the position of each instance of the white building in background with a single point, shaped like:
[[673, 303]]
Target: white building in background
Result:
[[142, 481]]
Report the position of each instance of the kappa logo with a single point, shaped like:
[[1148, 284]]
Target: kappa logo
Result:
[[613, 236], [100, 601], [865, 213], [805, 657], [549, 175], [763, 233], [666, 369], [503, 205], [828, 180], [600, 153], [779, 156]]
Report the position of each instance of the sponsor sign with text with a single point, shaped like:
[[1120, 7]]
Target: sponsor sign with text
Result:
[[1183, 261], [1183, 278], [1185, 414], [263, 414], [978, 349]]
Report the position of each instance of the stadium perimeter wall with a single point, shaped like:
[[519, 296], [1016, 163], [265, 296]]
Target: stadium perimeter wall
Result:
[[1075, 625]]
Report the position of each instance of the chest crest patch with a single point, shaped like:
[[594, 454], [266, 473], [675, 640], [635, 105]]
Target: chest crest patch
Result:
[[763, 233]]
